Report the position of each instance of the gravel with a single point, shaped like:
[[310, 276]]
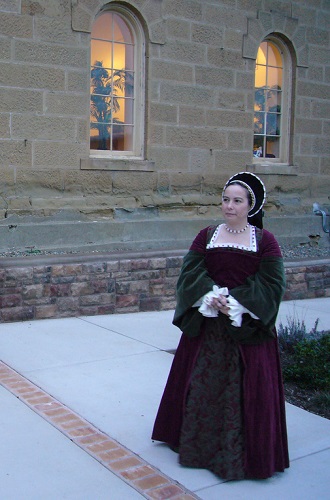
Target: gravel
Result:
[[290, 252], [305, 252], [32, 252]]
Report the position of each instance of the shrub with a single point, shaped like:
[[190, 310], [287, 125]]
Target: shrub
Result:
[[310, 364], [294, 332]]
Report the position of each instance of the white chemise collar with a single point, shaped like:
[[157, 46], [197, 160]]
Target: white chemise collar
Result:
[[251, 248]]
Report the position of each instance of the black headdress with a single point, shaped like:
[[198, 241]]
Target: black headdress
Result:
[[257, 190]]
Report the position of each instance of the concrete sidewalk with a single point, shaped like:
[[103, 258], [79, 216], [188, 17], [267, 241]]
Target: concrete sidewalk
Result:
[[78, 400]]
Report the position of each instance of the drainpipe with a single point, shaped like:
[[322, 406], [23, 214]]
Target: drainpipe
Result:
[[318, 211]]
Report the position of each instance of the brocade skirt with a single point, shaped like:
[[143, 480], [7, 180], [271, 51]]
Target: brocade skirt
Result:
[[223, 406]]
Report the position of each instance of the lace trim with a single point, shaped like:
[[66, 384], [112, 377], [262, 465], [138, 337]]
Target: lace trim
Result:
[[251, 248]]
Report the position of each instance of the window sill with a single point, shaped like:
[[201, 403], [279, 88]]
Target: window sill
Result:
[[270, 168], [132, 164]]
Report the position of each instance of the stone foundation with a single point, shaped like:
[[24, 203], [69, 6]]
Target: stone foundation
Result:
[[140, 230], [64, 286], [194, 95]]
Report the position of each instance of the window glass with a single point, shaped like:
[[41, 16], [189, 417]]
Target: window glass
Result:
[[102, 27], [112, 84], [268, 101]]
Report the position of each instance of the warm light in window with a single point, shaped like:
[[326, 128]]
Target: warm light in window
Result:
[[268, 97], [112, 83]]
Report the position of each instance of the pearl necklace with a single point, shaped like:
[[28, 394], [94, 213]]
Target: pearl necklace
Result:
[[236, 231]]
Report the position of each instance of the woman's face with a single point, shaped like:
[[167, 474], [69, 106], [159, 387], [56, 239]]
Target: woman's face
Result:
[[235, 205]]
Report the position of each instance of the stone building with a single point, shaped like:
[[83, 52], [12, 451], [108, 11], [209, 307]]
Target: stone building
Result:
[[120, 121]]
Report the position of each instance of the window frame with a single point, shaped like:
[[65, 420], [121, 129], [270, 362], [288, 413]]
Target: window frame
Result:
[[137, 153], [286, 104]]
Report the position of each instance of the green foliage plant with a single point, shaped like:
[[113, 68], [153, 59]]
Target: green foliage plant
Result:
[[105, 86], [295, 331], [310, 366]]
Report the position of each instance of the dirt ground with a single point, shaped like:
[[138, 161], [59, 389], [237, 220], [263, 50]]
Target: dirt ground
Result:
[[306, 399]]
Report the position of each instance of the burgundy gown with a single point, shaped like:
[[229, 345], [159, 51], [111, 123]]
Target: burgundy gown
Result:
[[223, 406]]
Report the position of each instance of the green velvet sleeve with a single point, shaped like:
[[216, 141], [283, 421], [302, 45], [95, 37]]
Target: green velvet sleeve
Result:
[[194, 282], [262, 293]]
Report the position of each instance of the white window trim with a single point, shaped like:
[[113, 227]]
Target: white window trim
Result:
[[284, 157], [137, 153]]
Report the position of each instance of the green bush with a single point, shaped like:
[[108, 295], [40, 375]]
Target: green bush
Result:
[[294, 332], [310, 363], [290, 334]]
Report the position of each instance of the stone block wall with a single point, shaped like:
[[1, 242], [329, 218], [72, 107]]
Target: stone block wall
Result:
[[118, 284], [199, 91]]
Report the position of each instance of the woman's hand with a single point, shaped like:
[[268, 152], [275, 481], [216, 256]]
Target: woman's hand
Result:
[[221, 304]]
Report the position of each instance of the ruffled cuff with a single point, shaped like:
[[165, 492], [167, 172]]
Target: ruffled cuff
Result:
[[206, 308], [236, 310]]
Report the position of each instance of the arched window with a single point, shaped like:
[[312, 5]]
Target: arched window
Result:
[[272, 103], [117, 70]]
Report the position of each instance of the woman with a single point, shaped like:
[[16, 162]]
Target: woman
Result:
[[223, 404]]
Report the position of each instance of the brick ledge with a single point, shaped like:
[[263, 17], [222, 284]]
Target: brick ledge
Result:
[[50, 286]]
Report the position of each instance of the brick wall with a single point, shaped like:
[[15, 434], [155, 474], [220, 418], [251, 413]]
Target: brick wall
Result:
[[307, 280], [120, 284]]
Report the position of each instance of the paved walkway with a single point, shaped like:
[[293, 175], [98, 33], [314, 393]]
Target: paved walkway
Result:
[[78, 398]]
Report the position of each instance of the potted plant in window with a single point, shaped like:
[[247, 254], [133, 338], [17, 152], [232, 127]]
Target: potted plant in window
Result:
[[104, 100]]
